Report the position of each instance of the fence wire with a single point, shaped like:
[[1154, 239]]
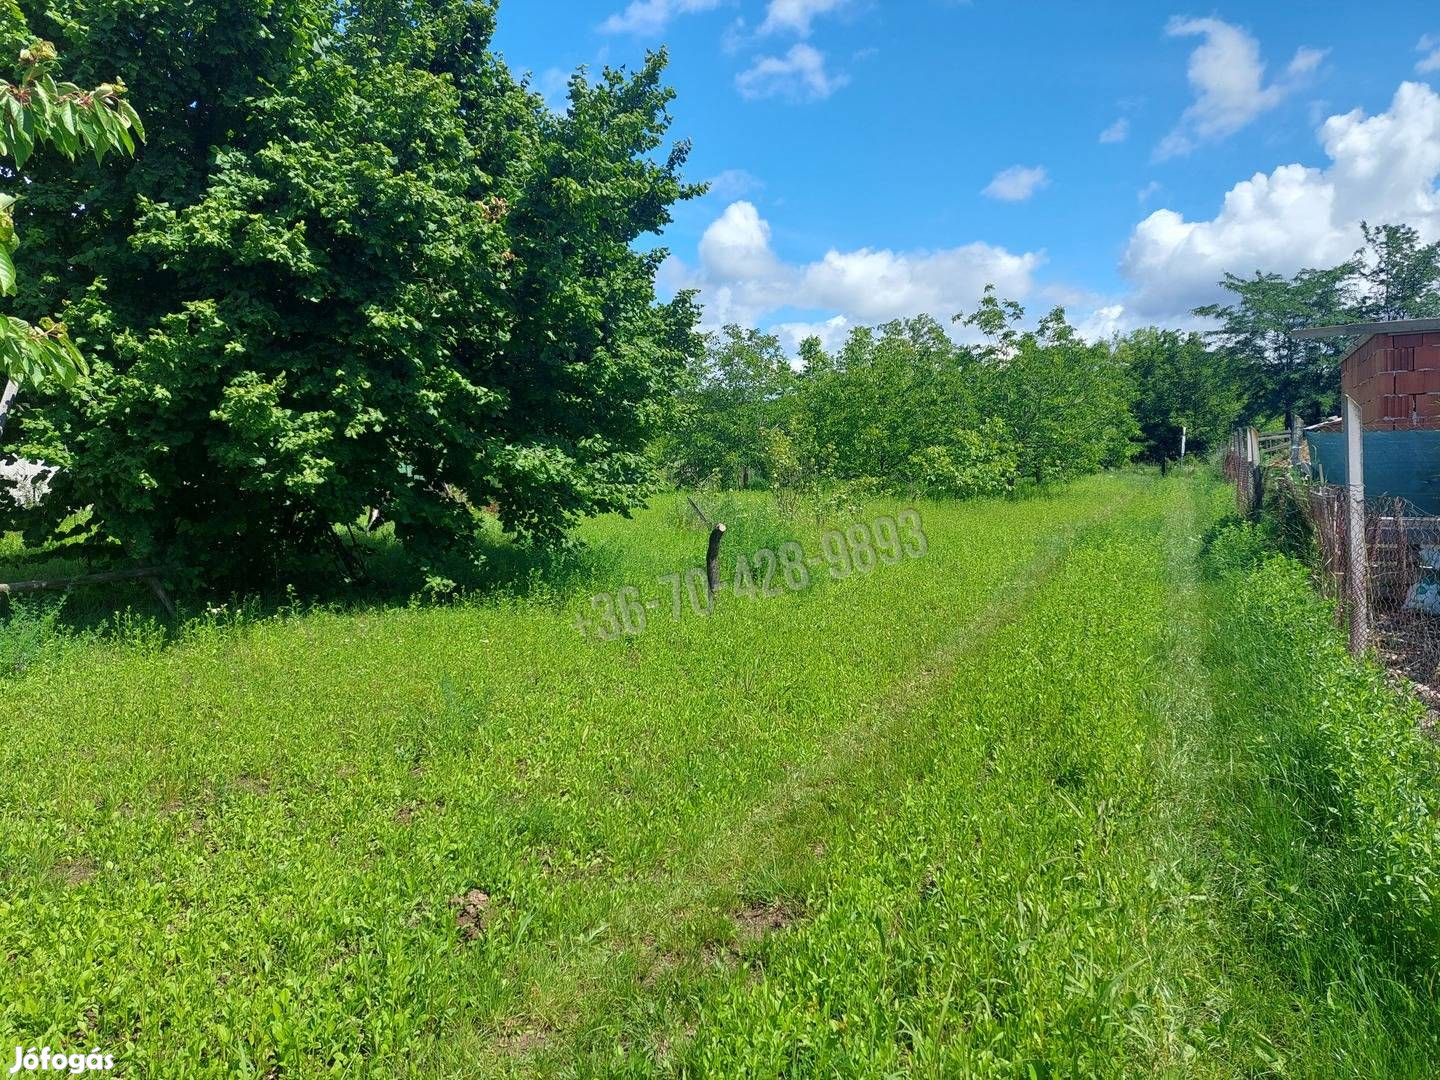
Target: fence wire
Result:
[[1247, 481], [1402, 576], [1402, 556]]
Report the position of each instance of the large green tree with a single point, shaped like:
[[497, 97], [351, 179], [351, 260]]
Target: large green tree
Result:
[[1180, 385], [358, 265], [1279, 375], [1399, 276]]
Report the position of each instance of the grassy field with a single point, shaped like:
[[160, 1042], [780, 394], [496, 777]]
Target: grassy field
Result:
[[997, 809]]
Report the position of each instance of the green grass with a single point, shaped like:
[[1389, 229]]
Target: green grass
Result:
[[972, 813]]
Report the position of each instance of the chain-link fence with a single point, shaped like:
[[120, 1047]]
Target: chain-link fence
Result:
[[1402, 576], [1400, 589], [1246, 478]]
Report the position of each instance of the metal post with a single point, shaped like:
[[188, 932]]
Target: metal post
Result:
[[1253, 477], [1183, 433], [1355, 528]]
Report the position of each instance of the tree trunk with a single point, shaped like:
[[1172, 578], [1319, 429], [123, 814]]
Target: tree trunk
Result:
[[7, 400]]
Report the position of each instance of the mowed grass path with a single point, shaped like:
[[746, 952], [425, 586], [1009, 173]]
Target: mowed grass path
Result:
[[946, 818]]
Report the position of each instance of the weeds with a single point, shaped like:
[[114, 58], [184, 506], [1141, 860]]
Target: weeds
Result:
[[994, 811], [27, 629]]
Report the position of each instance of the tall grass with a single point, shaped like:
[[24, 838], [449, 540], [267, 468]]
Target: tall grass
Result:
[[239, 851], [996, 811], [1333, 817]]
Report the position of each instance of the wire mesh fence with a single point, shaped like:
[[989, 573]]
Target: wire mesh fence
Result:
[[1247, 480], [1400, 587], [1401, 581]]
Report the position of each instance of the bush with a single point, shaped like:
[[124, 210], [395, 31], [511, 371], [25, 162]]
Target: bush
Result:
[[975, 464], [1234, 547], [27, 629]]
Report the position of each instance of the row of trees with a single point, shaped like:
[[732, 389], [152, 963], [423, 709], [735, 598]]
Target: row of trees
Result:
[[906, 407]]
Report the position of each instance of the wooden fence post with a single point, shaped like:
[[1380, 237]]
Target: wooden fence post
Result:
[[1355, 528], [1184, 431], [712, 560]]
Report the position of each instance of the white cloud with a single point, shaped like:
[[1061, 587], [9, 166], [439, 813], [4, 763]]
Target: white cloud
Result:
[[799, 75], [1103, 323], [734, 184], [1306, 60], [736, 246], [1117, 132], [1228, 77], [652, 16], [743, 280], [832, 333], [1017, 183], [1430, 46], [795, 15], [1148, 192], [1382, 168]]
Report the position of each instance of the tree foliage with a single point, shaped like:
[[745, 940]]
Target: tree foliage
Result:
[[730, 396], [1399, 277], [358, 265], [905, 408], [1180, 385], [37, 110], [1392, 276], [1282, 376], [1066, 401]]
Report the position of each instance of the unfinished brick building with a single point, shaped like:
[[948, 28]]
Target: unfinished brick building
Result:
[[1395, 377]]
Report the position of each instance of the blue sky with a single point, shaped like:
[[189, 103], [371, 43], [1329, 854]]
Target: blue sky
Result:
[[872, 159]]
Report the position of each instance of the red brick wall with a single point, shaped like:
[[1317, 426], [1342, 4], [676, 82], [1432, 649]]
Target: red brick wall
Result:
[[1395, 379]]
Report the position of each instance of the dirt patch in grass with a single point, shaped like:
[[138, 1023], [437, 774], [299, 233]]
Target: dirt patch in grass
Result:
[[411, 810], [472, 913], [89, 1023], [254, 785], [522, 1042], [75, 871], [755, 921]]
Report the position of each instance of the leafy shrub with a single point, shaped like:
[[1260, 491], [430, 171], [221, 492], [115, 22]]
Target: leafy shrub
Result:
[[1286, 516], [807, 484], [976, 463], [1234, 547]]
